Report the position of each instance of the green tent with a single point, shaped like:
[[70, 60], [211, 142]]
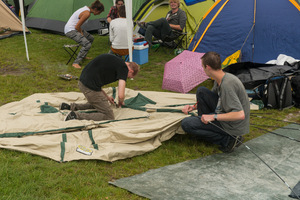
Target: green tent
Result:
[[26, 2], [53, 15], [155, 9]]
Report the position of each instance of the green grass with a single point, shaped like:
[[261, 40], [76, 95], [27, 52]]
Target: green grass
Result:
[[26, 176]]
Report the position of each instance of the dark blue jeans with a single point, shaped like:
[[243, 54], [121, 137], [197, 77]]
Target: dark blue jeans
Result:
[[207, 102]]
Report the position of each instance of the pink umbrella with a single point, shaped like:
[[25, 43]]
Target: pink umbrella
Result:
[[184, 72]]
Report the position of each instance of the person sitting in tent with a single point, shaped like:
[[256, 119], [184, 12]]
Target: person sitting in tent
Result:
[[102, 70], [73, 29], [223, 112], [175, 20], [118, 34], [113, 12]]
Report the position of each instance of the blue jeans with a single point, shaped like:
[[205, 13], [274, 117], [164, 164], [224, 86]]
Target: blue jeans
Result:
[[206, 104]]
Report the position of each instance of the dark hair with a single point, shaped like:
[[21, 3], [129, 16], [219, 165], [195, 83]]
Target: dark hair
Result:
[[118, 1], [122, 11], [212, 59], [97, 5]]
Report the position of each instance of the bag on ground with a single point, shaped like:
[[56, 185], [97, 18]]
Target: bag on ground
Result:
[[295, 83], [278, 93]]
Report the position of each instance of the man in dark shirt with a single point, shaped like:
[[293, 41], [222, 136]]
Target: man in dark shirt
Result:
[[103, 70]]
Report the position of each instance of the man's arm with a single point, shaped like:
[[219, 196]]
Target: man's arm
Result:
[[109, 18], [175, 27], [121, 91], [182, 22], [109, 98], [82, 18], [231, 116]]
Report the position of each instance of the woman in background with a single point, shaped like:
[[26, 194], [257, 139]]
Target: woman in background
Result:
[[73, 29]]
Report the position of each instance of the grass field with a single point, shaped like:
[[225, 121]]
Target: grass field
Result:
[[26, 176]]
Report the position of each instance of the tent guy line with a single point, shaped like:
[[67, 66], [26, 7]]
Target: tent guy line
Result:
[[276, 133], [260, 160]]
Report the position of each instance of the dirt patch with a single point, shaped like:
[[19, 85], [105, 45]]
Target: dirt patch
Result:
[[295, 116], [11, 70]]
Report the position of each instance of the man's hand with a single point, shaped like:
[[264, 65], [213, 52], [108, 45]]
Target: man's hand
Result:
[[111, 100], [207, 118], [121, 103], [187, 108]]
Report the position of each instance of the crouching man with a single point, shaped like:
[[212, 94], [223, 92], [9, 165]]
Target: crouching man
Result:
[[103, 70], [223, 112]]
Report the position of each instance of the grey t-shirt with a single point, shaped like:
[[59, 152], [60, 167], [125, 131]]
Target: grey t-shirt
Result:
[[233, 98], [178, 18]]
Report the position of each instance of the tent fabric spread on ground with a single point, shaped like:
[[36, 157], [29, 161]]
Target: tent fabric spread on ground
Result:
[[234, 176], [23, 127]]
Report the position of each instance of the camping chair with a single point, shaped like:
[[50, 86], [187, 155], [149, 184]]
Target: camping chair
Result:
[[174, 42], [71, 49]]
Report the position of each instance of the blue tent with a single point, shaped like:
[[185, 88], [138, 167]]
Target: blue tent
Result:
[[261, 29]]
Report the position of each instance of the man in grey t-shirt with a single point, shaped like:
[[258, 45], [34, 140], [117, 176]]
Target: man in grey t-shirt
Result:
[[223, 112]]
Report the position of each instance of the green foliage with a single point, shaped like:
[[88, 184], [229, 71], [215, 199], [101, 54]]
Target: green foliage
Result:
[[26, 176]]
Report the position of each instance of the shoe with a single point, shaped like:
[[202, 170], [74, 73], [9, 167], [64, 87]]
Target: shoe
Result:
[[64, 106], [141, 24], [71, 116], [233, 143]]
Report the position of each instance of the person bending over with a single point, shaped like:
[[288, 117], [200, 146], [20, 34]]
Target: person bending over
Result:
[[73, 29], [223, 112], [103, 70], [175, 20]]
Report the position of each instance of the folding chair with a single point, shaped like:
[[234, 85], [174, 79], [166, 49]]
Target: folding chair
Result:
[[71, 49], [175, 41]]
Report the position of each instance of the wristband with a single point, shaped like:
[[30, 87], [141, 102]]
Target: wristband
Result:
[[215, 117]]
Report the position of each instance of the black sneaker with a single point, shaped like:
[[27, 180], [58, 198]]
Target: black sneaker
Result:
[[233, 143], [64, 106], [72, 115]]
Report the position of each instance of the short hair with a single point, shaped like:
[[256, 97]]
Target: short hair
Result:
[[176, 1], [116, 2], [122, 11], [212, 59], [97, 5], [135, 67]]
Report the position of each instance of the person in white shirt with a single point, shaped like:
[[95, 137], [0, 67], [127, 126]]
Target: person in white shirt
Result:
[[118, 34], [73, 29]]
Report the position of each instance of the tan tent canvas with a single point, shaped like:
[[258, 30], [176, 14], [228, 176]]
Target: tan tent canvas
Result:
[[9, 23], [136, 130]]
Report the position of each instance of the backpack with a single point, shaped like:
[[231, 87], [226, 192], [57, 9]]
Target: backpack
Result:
[[277, 93], [295, 83]]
